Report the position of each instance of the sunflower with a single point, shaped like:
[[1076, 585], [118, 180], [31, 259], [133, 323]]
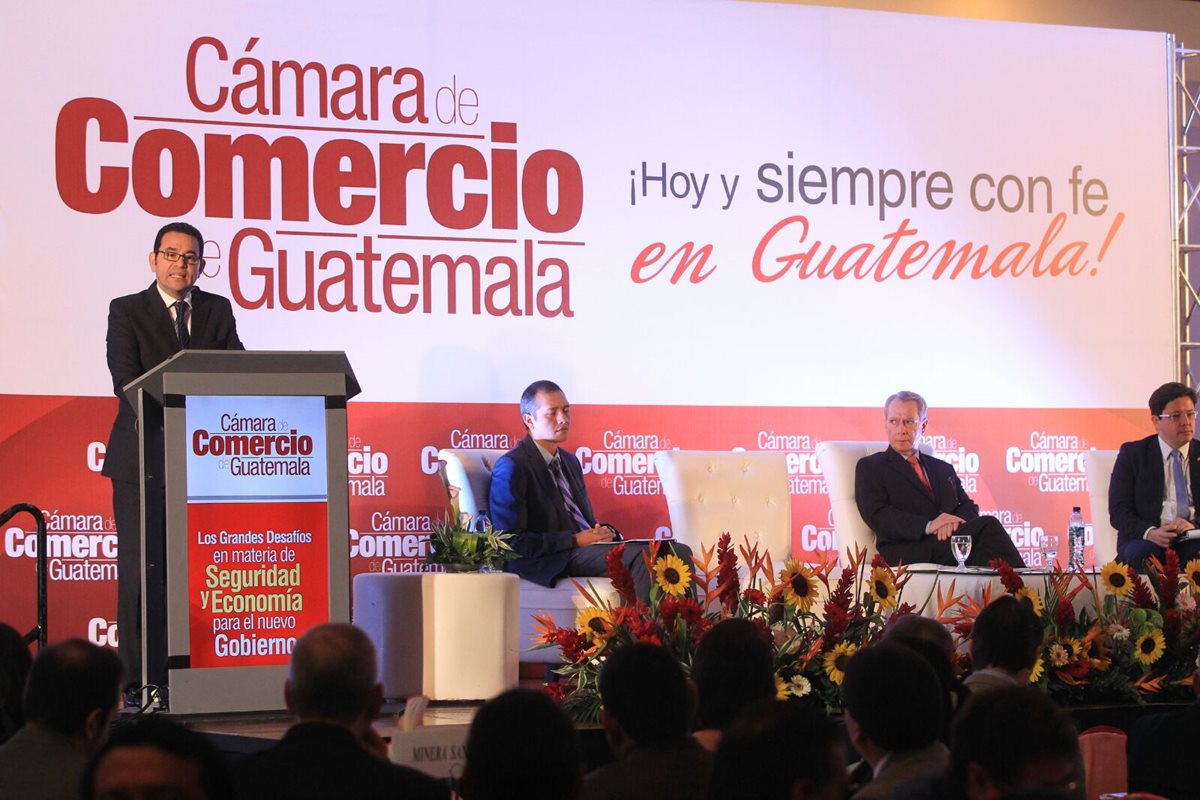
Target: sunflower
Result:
[[883, 587], [1073, 646], [781, 688], [1038, 668], [835, 661], [1150, 647], [799, 584], [594, 623], [1115, 577], [1033, 597], [673, 576], [1192, 573]]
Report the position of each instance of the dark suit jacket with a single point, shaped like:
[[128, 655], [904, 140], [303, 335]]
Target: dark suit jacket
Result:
[[1135, 494], [525, 501], [140, 337], [1160, 749], [320, 761], [894, 502]]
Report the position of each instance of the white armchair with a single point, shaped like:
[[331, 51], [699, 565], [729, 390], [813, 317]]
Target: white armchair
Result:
[[838, 462], [744, 493], [471, 472], [1098, 464]]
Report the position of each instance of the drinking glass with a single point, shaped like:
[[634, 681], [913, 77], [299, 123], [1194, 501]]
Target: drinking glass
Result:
[[960, 544], [1049, 551]]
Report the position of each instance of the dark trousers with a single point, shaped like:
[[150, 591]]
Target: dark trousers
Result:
[[989, 540], [1137, 552], [590, 562], [127, 512]]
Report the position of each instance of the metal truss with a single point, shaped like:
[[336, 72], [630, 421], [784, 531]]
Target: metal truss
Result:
[[1185, 189]]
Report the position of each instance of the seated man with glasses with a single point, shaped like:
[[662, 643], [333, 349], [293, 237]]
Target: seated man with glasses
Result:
[[538, 495], [914, 502], [145, 329], [1152, 496]]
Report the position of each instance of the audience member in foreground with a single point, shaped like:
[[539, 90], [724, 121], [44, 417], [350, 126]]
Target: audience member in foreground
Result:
[[15, 660], [332, 750], [521, 746], [153, 758], [1007, 741], [734, 667], [1005, 643], [914, 502], [1161, 749], [894, 704], [1152, 495], [929, 639], [779, 751], [70, 699], [648, 706]]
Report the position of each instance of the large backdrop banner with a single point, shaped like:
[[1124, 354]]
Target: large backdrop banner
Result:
[[718, 225]]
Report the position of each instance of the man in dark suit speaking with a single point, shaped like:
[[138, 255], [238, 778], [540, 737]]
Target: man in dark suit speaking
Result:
[[1152, 495], [915, 502], [538, 495], [145, 329]]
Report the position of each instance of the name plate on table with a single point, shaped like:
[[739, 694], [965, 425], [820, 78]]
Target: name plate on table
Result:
[[439, 751]]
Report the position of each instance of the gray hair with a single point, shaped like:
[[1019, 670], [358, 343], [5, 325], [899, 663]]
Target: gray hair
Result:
[[905, 397]]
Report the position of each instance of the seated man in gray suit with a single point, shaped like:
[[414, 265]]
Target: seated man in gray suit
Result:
[[1152, 495], [915, 502]]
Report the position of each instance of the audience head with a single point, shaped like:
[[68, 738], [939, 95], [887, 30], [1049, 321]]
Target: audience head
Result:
[[646, 697], [1010, 740], [154, 757], [1007, 635], [915, 626], [15, 660], [332, 676], [893, 701], [779, 751], [73, 688], [734, 667], [521, 746]]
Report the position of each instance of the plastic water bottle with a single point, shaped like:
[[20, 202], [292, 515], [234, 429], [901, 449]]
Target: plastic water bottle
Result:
[[483, 524], [1075, 540]]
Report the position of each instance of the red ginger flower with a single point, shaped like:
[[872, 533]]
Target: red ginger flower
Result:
[[1064, 614], [1008, 576], [754, 597], [727, 573], [1140, 596], [1168, 581], [572, 642], [557, 691], [702, 628], [1171, 625], [621, 577]]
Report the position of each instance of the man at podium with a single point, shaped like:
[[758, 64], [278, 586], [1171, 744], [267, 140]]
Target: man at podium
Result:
[[145, 329]]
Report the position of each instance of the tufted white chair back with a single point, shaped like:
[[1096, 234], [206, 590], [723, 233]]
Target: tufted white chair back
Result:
[[471, 472], [1099, 466], [838, 462], [710, 492]]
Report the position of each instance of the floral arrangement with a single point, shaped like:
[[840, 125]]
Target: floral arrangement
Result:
[[813, 638], [1138, 639], [1135, 640]]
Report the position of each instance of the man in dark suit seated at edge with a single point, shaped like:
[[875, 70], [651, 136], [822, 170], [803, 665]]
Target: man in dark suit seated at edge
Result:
[[1152, 495], [145, 329], [538, 495], [915, 502]]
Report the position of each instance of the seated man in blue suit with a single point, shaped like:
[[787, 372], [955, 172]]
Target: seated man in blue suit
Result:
[[1152, 495], [915, 502], [538, 495]]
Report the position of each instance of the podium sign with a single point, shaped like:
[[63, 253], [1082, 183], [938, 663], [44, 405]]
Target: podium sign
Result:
[[257, 507], [256, 543]]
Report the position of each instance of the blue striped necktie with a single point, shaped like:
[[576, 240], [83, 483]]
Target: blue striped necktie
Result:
[[564, 487], [1181, 488]]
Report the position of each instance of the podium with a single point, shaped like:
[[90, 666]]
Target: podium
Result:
[[253, 548]]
